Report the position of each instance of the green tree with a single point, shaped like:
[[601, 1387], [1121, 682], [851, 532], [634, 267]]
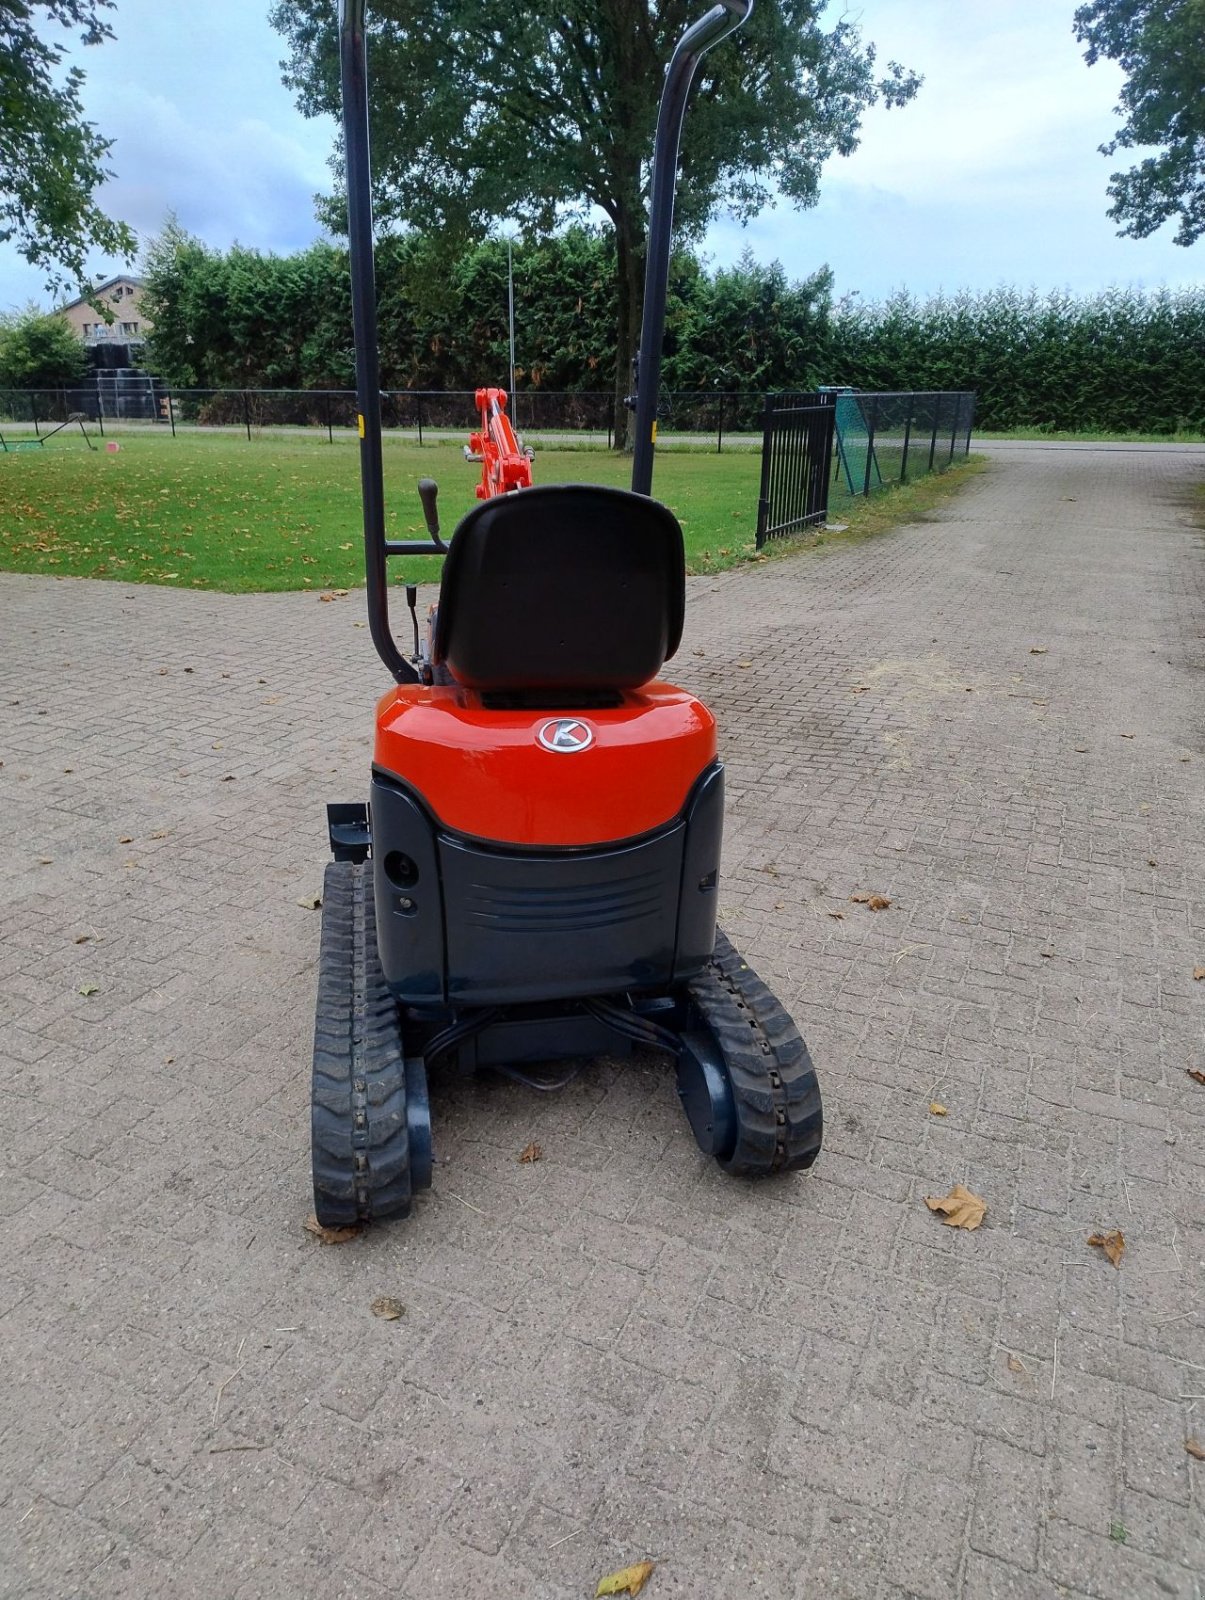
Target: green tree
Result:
[[51, 159], [39, 351], [485, 111], [1160, 46]]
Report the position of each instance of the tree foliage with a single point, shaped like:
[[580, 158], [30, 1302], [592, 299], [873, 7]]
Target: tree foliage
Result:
[[39, 351], [1160, 46], [51, 159], [1121, 359], [483, 111]]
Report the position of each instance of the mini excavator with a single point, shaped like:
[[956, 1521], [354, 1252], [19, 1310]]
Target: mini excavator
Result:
[[533, 881]]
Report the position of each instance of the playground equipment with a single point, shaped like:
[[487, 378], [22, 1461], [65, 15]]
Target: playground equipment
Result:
[[37, 443], [505, 462], [534, 879]]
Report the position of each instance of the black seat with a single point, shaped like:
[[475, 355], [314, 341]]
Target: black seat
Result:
[[567, 587]]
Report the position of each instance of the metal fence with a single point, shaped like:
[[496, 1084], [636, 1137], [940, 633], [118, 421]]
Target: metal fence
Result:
[[702, 419], [820, 446], [796, 463]]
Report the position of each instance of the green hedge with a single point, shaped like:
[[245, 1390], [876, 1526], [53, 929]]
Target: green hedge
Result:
[[1119, 360]]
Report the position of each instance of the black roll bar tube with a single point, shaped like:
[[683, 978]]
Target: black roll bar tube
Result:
[[718, 23], [353, 68]]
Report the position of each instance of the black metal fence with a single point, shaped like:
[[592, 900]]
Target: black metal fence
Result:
[[702, 419], [821, 446], [796, 463]]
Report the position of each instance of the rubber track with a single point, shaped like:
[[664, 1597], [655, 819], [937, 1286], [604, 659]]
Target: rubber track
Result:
[[780, 1121], [361, 1142]]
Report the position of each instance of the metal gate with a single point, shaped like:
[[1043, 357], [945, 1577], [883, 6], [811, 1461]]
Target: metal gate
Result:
[[796, 463]]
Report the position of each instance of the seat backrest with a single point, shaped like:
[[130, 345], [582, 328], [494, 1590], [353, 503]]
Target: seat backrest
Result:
[[563, 587]]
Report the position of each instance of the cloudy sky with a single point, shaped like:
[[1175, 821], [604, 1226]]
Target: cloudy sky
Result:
[[991, 176]]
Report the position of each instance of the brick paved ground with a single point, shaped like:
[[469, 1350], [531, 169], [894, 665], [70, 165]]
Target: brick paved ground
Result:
[[800, 1389]]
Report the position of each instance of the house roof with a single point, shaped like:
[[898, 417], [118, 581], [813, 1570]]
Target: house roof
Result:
[[102, 288]]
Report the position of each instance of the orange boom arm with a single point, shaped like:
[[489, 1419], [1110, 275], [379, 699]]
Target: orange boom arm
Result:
[[505, 465]]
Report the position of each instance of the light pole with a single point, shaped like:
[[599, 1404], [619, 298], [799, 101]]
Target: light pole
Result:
[[510, 295]]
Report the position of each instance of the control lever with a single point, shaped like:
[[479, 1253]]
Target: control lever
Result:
[[412, 603], [427, 491]]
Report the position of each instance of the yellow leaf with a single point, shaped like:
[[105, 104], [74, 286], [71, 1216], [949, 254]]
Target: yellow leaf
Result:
[[960, 1208], [630, 1581], [936, 1109], [878, 902], [1113, 1244], [386, 1307], [330, 1235]]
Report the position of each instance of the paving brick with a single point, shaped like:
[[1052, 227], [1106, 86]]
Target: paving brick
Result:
[[800, 1388]]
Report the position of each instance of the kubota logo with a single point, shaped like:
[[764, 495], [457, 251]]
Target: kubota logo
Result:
[[566, 735]]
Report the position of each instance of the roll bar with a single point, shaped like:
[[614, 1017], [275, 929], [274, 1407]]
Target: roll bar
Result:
[[378, 548], [720, 21], [700, 37]]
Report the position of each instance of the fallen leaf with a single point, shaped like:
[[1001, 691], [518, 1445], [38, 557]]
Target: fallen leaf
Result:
[[1015, 1364], [387, 1308], [126, 838], [860, 688], [330, 1235], [739, 664], [1113, 1244], [1198, 973], [837, 916], [1118, 1532], [1195, 1449], [531, 1154], [698, 652], [1037, 649], [229, 778], [1151, 861], [860, 898], [1195, 1074], [1046, 955], [45, 861], [161, 833], [960, 1208], [310, 902], [324, 597], [878, 902], [82, 938], [89, 988], [1081, 749], [630, 1581], [936, 1109], [1125, 735]]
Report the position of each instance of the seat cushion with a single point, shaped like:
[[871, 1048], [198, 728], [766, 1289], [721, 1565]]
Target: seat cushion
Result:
[[562, 587]]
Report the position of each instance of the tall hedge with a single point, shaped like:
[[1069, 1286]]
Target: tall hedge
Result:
[[1121, 359]]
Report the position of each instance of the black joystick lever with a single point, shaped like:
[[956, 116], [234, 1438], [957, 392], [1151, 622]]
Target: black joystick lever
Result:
[[428, 489]]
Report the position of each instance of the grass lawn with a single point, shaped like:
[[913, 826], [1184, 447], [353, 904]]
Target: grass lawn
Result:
[[220, 512]]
